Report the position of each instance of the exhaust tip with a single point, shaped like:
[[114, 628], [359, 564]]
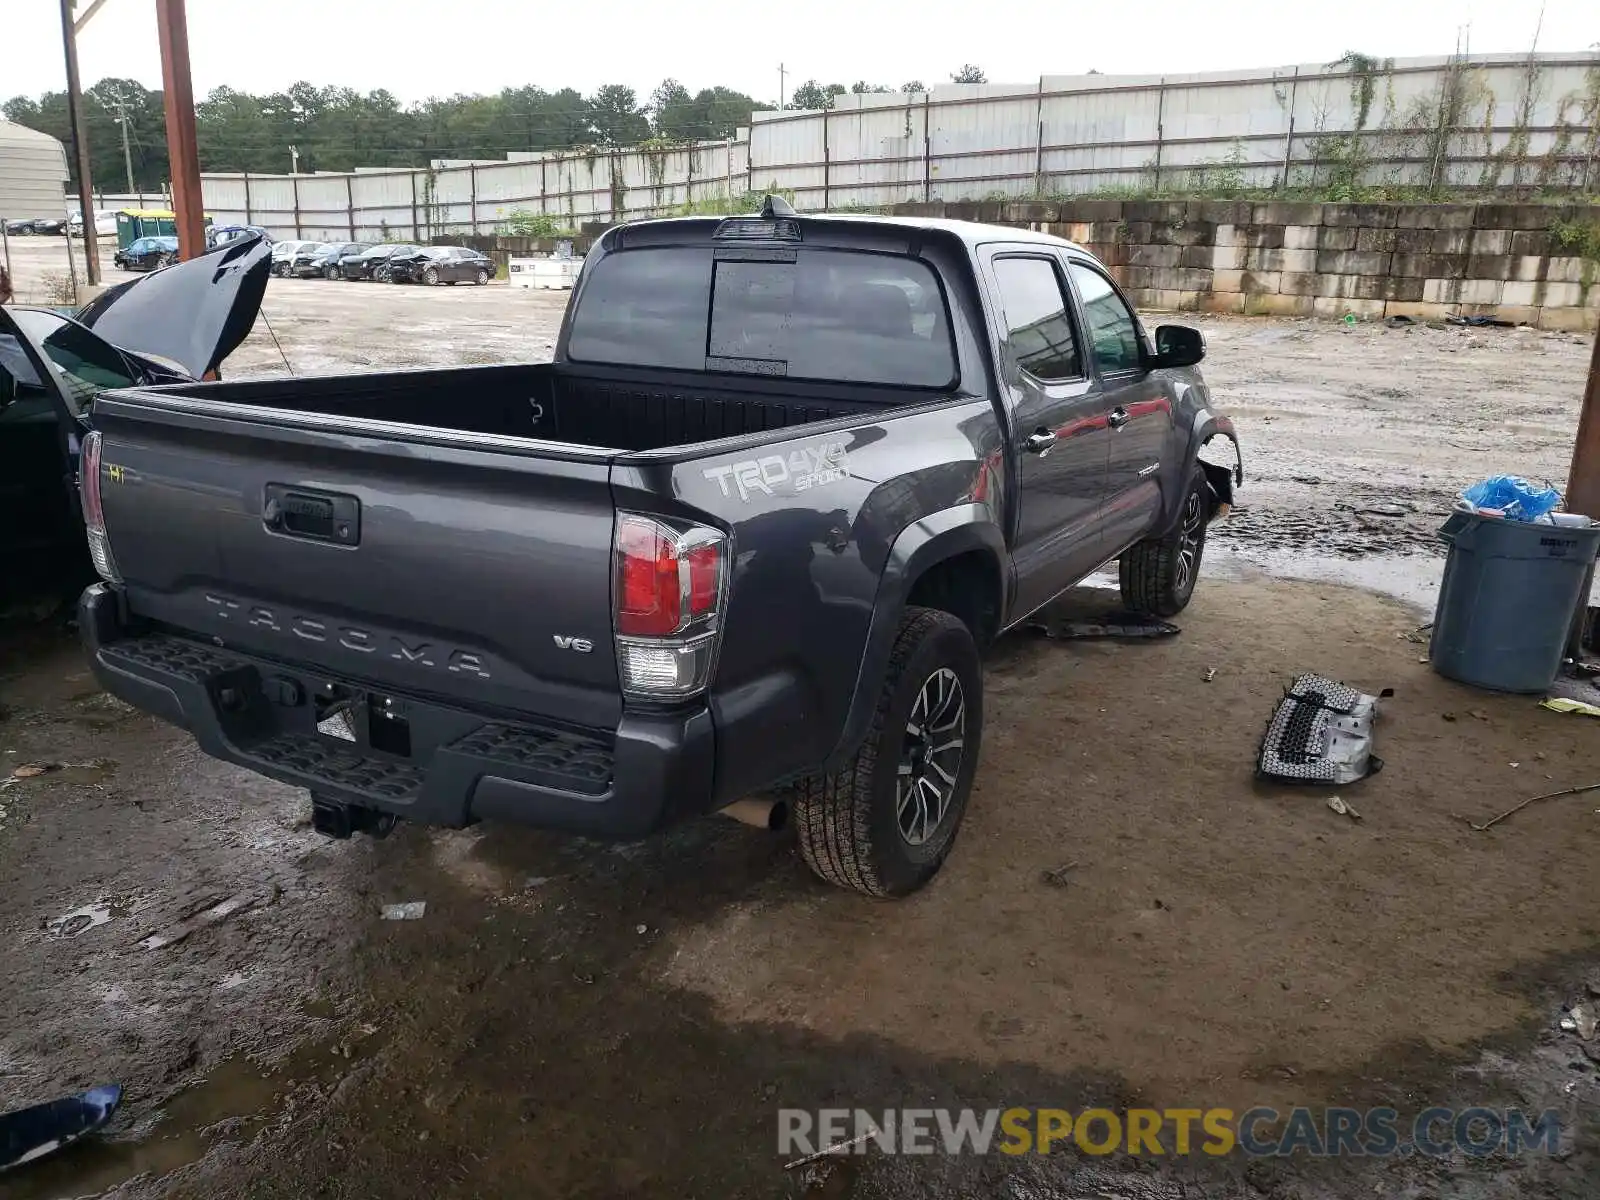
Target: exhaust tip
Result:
[[771, 815]]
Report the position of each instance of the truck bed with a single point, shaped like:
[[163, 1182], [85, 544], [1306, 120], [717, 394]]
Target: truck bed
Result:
[[595, 407]]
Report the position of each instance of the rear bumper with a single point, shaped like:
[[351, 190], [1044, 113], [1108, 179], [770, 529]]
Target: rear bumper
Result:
[[652, 770]]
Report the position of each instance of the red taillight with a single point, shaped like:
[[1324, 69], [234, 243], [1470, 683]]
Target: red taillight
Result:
[[648, 592], [667, 579], [94, 517]]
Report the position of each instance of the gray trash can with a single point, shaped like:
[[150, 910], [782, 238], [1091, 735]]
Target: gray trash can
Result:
[[1506, 602]]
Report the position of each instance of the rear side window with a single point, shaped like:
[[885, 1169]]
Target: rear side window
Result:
[[833, 315], [1036, 319]]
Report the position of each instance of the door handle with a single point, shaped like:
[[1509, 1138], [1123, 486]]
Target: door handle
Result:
[[1041, 440], [1118, 418]]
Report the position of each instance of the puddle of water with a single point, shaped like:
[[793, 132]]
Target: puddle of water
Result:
[[237, 1100]]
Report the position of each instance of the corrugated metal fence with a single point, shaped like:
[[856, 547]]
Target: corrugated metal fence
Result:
[[1440, 124]]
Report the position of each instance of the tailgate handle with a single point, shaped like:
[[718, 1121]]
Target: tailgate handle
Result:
[[315, 516]]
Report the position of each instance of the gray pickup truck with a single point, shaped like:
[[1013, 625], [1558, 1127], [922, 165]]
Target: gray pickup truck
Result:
[[746, 534]]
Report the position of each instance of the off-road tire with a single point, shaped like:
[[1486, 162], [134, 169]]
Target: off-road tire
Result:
[[1154, 577], [847, 821]]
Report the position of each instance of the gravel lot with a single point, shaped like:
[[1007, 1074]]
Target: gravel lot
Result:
[[1218, 942]]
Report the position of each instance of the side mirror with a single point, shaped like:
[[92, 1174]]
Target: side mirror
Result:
[[1178, 346]]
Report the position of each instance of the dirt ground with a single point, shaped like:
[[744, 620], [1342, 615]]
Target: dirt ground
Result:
[[570, 1019]]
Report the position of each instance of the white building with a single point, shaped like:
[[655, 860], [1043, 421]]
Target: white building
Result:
[[33, 173]]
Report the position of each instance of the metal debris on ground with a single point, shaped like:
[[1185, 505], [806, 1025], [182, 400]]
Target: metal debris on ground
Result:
[[1057, 876], [1118, 625], [412, 910], [1422, 633], [1320, 733], [1571, 791], [1343, 809], [836, 1148], [29, 1134], [1211, 673]]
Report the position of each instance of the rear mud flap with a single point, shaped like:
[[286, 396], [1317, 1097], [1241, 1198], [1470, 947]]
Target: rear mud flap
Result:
[[1320, 733]]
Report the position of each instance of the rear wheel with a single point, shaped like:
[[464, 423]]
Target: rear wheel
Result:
[[1158, 575], [883, 824], [483, 276]]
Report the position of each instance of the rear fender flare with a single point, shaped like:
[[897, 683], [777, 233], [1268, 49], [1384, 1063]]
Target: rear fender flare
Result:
[[926, 543]]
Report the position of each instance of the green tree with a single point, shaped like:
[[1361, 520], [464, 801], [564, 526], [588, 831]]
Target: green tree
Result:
[[861, 87], [810, 94], [615, 117], [969, 74], [915, 85]]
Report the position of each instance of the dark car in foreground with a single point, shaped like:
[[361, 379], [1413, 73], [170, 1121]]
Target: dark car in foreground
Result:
[[747, 534], [167, 327], [372, 263], [326, 259], [147, 253], [441, 264]]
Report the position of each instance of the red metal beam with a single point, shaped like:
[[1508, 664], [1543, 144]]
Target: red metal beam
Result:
[[172, 29]]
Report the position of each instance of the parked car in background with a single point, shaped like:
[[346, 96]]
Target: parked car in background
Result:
[[20, 226], [283, 254], [146, 254], [55, 225], [325, 261], [301, 259], [441, 264], [221, 235], [373, 263]]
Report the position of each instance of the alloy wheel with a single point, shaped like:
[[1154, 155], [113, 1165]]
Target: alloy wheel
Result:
[[1189, 540], [930, 756]]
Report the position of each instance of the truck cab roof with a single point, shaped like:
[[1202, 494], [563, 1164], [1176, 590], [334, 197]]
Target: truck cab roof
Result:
[[969, 233]]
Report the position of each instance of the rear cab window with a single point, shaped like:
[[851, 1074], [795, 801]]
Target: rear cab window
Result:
[[812, 313]]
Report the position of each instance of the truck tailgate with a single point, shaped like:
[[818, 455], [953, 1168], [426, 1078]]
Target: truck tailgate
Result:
[[456, 566]]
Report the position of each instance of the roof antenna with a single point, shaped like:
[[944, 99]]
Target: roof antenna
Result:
[[776, 206], [277, 343]]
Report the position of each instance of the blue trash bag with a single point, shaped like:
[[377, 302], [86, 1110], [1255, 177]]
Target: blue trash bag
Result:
[[1513, 495]]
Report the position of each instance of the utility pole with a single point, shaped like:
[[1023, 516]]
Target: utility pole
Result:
[[80, 145], [294, 160], [172, 30], [127, 155], [780, 86]]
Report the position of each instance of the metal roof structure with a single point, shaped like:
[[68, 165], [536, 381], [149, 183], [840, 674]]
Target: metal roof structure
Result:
[[33, 173]]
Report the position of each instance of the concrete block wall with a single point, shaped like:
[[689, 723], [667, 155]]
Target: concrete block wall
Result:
[[1425, 261]]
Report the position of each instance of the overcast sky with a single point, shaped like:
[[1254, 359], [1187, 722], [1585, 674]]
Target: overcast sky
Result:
[[421, 49]]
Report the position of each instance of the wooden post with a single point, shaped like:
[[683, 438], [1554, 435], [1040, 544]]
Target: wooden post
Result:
[[1161, 112], [413, 206], [927, 153], [294, 187], [350, 207], [1583, 479], [249, 218], [172, 31], [1288, 141], [826, 159], [472, 194], [80, 150], [1038, 153]]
